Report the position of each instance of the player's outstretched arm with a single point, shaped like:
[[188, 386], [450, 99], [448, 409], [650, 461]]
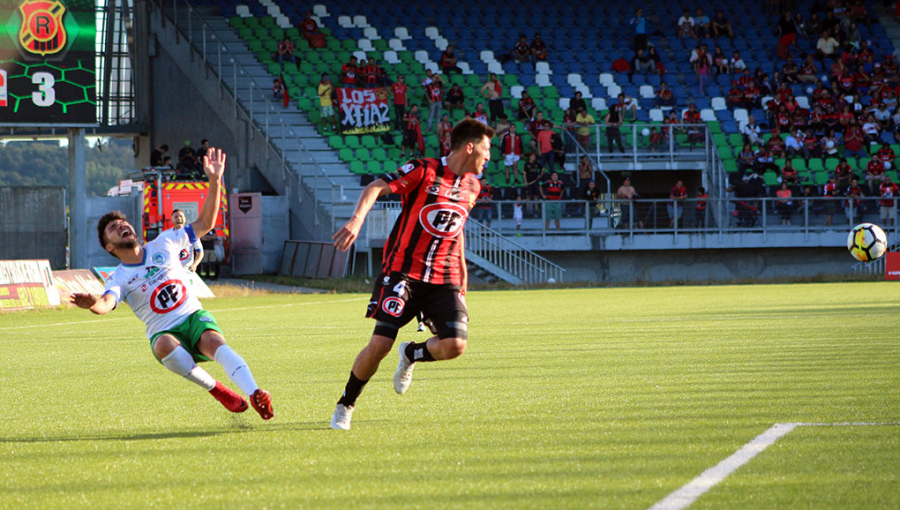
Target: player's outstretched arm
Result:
[[99, 305], [214, 168], [347, 234]]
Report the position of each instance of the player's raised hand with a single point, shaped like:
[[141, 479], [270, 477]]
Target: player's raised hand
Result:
[[82, 300], [214, 164], [346, 235]]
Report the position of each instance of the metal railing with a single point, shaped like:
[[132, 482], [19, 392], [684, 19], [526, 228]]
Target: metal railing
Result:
[[508, 256], [252, 100], [637, 144], [876, 267]]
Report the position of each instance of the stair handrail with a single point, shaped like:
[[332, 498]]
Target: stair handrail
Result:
[[478, 235]]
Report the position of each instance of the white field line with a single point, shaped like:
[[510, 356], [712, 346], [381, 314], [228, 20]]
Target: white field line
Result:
[[95, 321], [688, 493]]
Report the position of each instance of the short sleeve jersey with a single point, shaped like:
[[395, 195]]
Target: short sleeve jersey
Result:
[[186, 256], [426, 242], [158, 289]]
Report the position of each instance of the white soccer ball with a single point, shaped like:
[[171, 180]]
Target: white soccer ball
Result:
[[867, 242], [551, 280], [645, 132], [829, 144]]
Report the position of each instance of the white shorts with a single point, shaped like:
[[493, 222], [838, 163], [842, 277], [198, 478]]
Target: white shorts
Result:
[[511, 159], [517, 215], [889, 213]]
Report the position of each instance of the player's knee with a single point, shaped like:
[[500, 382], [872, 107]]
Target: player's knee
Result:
[[379, 347], [454, 347], [164, 345]]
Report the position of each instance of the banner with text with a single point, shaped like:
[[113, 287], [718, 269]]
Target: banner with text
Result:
[[892, 265], [26, 284], [364, 110]]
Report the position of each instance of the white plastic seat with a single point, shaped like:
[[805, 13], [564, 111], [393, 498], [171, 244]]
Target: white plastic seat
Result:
[[516, 91], [803, 102], [765, 101], [613, 90], [598, 103], [585, 91], [542, 68], [242, 11], [441, 43], [564, 103], [464, 66], [646, 91], [421, 56], [365, 45], [607, 79], [542, 80], [495, 67], [432, 33], [391, 57], [360, 21], [320, 10], [360, 55], [371, 33], [273, 10], [431, 65], [266, 3], [718, 103], [740, 115], [402, 33], [707, 115], [487, 56], [656, 115], [396, 44], [345, 22], [574, 79]]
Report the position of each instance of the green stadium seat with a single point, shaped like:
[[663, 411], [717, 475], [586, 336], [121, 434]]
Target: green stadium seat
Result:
[[362, 154], [277, 33], [349, 45], [815, 165], [770, 179], [293, 33], [715, 128], [509, 80], [800, 164], [274, 69], [236, 22], [333, 45], [394, 153], [367, 141], [730, 166], [379, 154], [358, 167], [831, 164], [315, 117], [736, 140], [535, 92], [551, 93], [271, 45], [391, 165], [261, 33], [351, 142], [374, 168], [720, 140], [304, 103], [380, 45], [336, 142], [820, 178], [246, 34], [346, 154], [252, 22], [267, 21], [265, 57], [325, 31]]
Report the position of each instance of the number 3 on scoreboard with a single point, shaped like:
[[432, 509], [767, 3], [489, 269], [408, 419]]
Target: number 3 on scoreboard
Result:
[[45, 95]]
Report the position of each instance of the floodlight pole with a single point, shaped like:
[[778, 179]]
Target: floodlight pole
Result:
[[77, 198]]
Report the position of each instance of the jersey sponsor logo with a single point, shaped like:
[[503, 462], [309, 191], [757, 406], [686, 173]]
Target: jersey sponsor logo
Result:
[[453, 193], [168, 296], [183, 255], [151, 270], [205, 319], [405, 169], [393, 306], [159, 258], [443, 219]]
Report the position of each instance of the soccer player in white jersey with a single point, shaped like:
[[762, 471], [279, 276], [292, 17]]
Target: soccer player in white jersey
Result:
[[190, 258], [152, 280]]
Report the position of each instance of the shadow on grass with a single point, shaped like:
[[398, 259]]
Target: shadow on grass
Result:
[[236, 428]]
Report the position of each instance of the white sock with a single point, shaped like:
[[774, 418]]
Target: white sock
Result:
[[237, 369], [180, 362]]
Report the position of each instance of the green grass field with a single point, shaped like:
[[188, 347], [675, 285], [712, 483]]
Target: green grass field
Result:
[[586, 398]]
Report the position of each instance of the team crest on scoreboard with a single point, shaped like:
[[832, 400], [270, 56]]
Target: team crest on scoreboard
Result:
[[42, 31]]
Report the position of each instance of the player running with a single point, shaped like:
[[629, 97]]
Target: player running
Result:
[[191, 258], [153, 281], [424, 265]]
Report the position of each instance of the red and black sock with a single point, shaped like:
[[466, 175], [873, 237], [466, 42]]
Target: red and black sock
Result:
[[418, 352]]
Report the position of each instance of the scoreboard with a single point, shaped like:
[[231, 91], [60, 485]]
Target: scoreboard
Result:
[[47, 63]]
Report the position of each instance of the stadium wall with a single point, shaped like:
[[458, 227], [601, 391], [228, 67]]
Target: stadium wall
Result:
[[701, 266], [33, 224]]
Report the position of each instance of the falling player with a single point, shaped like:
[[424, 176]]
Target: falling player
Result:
[[424, 265], [152, 280]]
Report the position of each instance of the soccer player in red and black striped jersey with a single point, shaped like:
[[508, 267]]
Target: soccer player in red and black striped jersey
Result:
[[424, 265]]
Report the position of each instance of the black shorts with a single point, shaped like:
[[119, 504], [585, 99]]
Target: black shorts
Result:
[[396, 300]]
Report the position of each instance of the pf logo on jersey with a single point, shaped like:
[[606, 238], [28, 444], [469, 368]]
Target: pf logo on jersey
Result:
[[443, 219], [393, 306], [183, 255], [168, 296]]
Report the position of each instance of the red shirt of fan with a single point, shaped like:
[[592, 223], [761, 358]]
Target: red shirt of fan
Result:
[[888, 191], [875, 167], [399, 91], [554, 190], [885, 155], [426, 243]]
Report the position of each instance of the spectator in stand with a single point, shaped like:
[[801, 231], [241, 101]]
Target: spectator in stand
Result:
[[202, 151], [702, 26], [613, 120], [484, 209], [800, 25], [399, 90], [858, 13], [737, 63], [657, 142], [158, 155], [521, 51], [433, 96], [309, 29], [538, 49], [882, 116], [830, 146], [456, 99], [808, 71], [813, 25], [491, 90], [187, 159], [786, 30], [620, 65], [585, 170], [371, 74], [640, 24], [871, 131], [585, 124], [553, 194], [526, 108], [776, 144], [591, 195], [675, 206], [700, 208], [577, 103], [445, 146], [854, 141], [703, 69], [349, 72], [570, 117], [783, 203], [788, 173], [511, 149], [751, 131], [686, 26], [874, 172], [641, 63], [286, 51], [735, 97], [480, 115], [720, 26], [854, 193], [534, 172], [691, 115], [627, 107], [826, 46], [657, 61], [843, 173], [886, 155], [448, 61], [412, 133], [326, 91], [720, 61], [793, 144], [887, 191], [544, 141], [790, 72], [627, 192], [664, 96], [831, 204], [764, 161], [502, 126], [278, 88], [445, 126]]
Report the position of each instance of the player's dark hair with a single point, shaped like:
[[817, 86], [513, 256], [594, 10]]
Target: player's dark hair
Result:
[[176, 210], [469, 130], [105, 220]]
